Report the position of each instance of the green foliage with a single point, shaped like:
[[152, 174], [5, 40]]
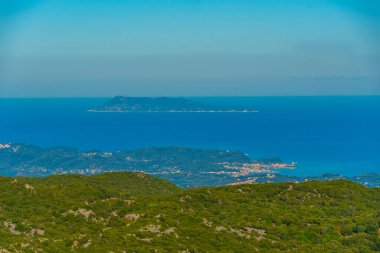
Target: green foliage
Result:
[[134, 212]]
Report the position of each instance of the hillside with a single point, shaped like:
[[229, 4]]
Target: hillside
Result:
[[134, 212]]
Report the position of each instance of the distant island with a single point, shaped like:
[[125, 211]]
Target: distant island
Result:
[[161, 104], [186, 167]]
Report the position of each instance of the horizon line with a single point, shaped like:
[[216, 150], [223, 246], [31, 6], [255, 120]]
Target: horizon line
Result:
[[197, 96]]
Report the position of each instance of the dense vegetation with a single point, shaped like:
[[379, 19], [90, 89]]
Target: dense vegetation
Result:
[[134, 212]]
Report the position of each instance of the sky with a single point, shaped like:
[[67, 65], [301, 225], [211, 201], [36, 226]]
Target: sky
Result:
[[96, 48]]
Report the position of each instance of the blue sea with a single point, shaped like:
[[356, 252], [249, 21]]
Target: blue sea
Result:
[[322, 134]]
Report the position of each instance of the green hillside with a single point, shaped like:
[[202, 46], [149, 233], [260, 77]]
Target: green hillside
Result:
[[134, 212]]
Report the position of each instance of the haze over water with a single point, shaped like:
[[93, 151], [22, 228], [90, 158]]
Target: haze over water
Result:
[[322, 134]]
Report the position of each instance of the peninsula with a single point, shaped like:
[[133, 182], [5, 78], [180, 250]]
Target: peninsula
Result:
[[185, 167], [161, 104]]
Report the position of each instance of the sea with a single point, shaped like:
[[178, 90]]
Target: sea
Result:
[[321, 134]]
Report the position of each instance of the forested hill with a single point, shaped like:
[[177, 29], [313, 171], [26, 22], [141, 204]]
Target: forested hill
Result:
[[134, 212]]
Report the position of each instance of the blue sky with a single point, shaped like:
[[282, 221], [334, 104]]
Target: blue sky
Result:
[[189, 48]]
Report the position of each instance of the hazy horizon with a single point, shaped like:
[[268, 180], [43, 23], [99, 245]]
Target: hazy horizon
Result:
[[142, 96], [189, 48]]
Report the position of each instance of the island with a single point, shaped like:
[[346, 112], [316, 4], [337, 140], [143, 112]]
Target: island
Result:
[[161, 104]]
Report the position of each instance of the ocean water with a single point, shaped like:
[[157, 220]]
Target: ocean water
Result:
[[322, 134]]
